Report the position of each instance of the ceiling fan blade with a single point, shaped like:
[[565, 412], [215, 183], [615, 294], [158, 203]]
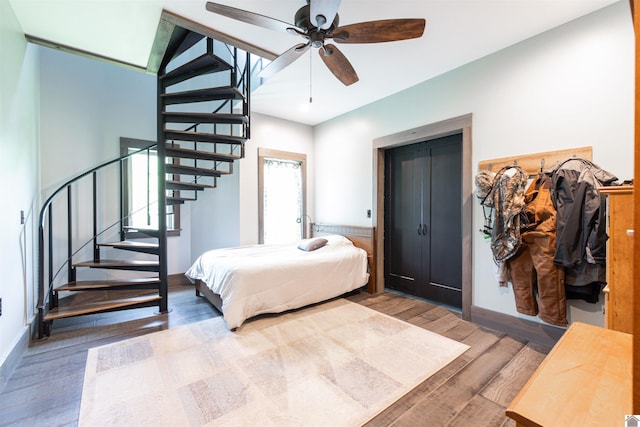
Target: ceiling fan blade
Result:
[[386, 30], [248, 17], [326, 10], [338, 64], [284, 60]]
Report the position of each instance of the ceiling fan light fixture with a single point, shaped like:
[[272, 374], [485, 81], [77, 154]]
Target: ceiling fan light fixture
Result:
[[316, 38]]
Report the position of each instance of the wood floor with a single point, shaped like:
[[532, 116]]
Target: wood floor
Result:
[[46, 387]]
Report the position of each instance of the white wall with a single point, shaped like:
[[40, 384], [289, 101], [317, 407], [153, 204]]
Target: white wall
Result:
[[572, 86], [87, 105], [19, 164], [215, 216]]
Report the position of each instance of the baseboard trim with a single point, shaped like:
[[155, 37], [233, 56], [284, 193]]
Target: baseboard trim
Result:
[[539, 333], [12, 360]]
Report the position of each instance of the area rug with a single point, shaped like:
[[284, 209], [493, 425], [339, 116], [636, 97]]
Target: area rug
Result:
[[334, 364]]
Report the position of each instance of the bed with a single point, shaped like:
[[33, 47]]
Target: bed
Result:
[[243, 282]]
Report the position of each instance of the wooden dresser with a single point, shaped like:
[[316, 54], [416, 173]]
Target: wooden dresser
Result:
[[618, 308]]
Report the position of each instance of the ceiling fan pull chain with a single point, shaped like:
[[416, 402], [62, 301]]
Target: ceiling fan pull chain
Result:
[[310, 78]]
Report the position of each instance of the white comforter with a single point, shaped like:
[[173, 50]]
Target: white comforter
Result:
[[258, 279]]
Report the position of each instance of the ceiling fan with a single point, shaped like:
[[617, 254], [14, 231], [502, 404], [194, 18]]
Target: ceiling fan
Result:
[[317, 22]]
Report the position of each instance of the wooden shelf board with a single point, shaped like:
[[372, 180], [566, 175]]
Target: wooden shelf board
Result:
[[531, 162]]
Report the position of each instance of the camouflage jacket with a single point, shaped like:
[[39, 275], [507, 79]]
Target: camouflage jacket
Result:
[[506, 197]]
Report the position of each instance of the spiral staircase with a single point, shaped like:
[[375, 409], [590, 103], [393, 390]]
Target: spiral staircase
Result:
[[87, 262]]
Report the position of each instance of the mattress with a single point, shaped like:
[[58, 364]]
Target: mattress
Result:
[[257, 279]]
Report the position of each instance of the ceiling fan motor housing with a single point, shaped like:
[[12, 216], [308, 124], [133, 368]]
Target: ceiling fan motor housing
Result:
[[303, 20]]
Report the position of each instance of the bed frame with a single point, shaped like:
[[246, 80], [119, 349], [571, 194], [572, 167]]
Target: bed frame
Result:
[[362, 237]]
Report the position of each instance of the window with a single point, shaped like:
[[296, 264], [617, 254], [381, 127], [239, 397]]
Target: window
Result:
[[140, 182], [282, 182]]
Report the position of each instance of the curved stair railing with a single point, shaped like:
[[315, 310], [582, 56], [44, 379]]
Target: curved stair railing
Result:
[[47, 297]]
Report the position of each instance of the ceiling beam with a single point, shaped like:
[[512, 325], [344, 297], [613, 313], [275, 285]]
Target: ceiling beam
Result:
[[169, 21], [86, 54]]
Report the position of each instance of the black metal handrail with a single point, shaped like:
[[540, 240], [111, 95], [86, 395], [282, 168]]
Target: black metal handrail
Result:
[[46, 214]]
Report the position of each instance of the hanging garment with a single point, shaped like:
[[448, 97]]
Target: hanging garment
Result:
[[532, 268], [484, 184], [586, 280], [506, 197], [581, 226], [575, 196]]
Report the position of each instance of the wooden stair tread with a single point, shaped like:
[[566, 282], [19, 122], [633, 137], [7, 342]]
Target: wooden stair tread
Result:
[[115, 264], [204, 64], [180, 135], [68, 307], [203, 155], [105, 262], [172, 201], [182, 198], [182, 185], [180, 41], [182, 117], [151, 248], [200, 95], [191, 170], [130, 243], [152, 232], [106, 284]]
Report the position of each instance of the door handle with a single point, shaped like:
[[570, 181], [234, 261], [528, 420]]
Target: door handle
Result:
[[422, 229], [419, 229]]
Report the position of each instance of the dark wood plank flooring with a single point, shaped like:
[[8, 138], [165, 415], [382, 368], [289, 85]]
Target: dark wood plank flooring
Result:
[[46, 387]]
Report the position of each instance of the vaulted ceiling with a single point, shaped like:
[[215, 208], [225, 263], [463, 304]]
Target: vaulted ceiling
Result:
[[457, 32]]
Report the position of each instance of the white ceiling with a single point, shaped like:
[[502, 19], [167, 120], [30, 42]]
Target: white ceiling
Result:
[[457, 32]]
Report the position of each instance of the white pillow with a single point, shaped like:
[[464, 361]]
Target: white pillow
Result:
[[309, 245], [338, 240]]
